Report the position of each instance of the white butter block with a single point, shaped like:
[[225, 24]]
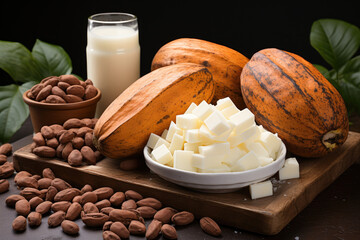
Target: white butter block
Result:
[[188, 121], [257, 148], [265, 161], [173, 129], [192, 136], [217, 123], [234, 155], [215, 149], [162, 154], [243, 120], [152, 140], [247, 162], [290, 169], [192, 147], [207, 162], [160, 142], [230, 111], [260, 190], [203, 110], [220, 169], [190, 108], [164, 133], [250, 134], [177, 143], [271, 142], [224, 103], [183, 160]]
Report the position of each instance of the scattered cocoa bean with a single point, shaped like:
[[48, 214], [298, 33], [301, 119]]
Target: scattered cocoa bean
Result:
[[60, 206], [43, 207], [44, 151], [21, 174], [94, 219], [22, 207], [164, 215], [34, 219], [27, 182], [103, 204], [136, 228], [117, 199], [73, 211], [168, 231], [60, 184], [6, 149], [19, 224], [90, 207], [3, 159], [210, 227], [77, 142], [35, 201], [4, 185], [151, 202], [67, 194], [29, 192], [131, 194], [6, 170], [153, 229], [106, 210], [56, 218], [146, 211], [44, 183], [86, 188], [182, 218], [103, 192], [108, 235], [66, 137], [52, 191], [88, 197], [120, 229], [12, 199], [48, 173], [53, 143], [70, 227], [129, 204]]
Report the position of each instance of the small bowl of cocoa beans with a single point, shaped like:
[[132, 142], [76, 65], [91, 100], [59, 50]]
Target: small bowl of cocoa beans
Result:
[[58, 98]]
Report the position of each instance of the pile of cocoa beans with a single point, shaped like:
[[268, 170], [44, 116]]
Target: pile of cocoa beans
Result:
[[6, 168], [71, 142], [62, 89], [118, 214]]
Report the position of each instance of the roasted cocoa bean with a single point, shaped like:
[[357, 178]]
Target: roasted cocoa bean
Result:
[[86, 188], [67, 194], [12, 199], [136, 228], [43, 207], [90, 207], [210, 227], [56, 218], [27, 182], [109, 235], [70, 227], [129, 204], [44, 183], [60, 184], [47, 132], [164, 215], [94, 219], [104, 193], [48, 173], [168, 231], [131, 194], [29, 192], [182, 218], [44, 151], [124, 216], [151, 202], [19, 224], [153, 229], [34, 219], [22, 207], [73, 211], [120, 229], [88, 155], [6, 149], [60, 206], [75, 158], [88, 197], [146, 211], [52, 191], [35, 201], [6, 170], [4, 185], [102, 204], [117, 199]]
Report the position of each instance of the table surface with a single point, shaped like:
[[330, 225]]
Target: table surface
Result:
[[333, 214]]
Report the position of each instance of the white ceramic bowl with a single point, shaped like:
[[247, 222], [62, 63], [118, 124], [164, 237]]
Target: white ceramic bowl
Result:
[[215, 182]]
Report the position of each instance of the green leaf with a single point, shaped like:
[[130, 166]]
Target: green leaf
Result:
[[17, 61], [321, 69], [335, 40], [13, 110], [52, 59]]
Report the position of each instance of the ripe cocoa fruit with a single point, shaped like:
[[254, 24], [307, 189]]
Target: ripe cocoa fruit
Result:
[[210, 227]]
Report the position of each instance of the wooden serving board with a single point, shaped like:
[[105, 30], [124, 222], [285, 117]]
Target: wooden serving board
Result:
[[266, 216]]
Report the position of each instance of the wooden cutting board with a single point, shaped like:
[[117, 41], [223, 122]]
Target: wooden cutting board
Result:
[[266, 216]]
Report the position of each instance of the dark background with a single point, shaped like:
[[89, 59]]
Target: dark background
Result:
[[246, 26]]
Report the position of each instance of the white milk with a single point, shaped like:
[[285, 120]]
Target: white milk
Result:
[[113, 61]]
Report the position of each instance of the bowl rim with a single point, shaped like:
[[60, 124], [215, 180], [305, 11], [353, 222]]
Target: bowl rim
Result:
[[279, 158], [61, 106]]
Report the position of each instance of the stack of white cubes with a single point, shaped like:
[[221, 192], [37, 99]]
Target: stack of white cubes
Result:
[[213, 139]]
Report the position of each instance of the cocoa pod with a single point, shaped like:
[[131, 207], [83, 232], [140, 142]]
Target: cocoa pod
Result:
[[70, 227], [34, 219], [94, 219], [12, 199], [56, 218], [153, 229], [19, 224], [43, 207], [73, 211], [44, 151], [182, 218], [164, 215], [48, 173], [151, 202], [117, 199], [4, 185], [120, 229], [168, 231], [104, 193], [22, 207]]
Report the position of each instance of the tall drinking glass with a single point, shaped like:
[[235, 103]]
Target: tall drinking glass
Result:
[[113, 54]]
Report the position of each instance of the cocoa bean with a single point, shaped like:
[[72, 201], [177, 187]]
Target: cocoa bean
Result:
[[29, 192], [56, 218], [34, 219], [168, 231], [3, 159], [56, 128], [151, 202], [66, 137], [36, 89], [73, 211], [124, 216], [67, 194], [90, 92], [88, 197], [47, 132], [131, 194], [19, 224], [39, 139], [44, 183], [106, 226], [43, 207], [120, 229], [88, 137], [164, 215], [52, 81], [70, 79], [182, 218], [6, 170], [86, 188], [75, 158], [6, 149], [106, 210], [54, 99], [104, 192], [52, 191], [210, 227], [12, 199], [52, 142], [27, 182], [22, 207], [108, 235], [69, 98], [63, 85], [88, 155], [117, 199], [90, 207], [88, 82], [146, 211], [48, 173], [94, 219], [60, 206], [56, 90], [44, 151], [21, 174], [129, 204], [70, 227], [44, 92], [77, 142], [60, 184], [153, 229], [4, 185], [35, 201], [76, 90], [136, 228], [102, 204]]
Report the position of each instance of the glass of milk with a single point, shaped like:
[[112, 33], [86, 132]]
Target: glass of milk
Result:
[[113, 54]]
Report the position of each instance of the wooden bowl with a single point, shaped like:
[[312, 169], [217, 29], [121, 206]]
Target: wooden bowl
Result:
[[45, 114]]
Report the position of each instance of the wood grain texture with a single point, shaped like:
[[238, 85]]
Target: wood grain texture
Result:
[[266, 216]]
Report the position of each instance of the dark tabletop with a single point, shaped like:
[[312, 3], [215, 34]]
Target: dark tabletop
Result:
[[333, 214]]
